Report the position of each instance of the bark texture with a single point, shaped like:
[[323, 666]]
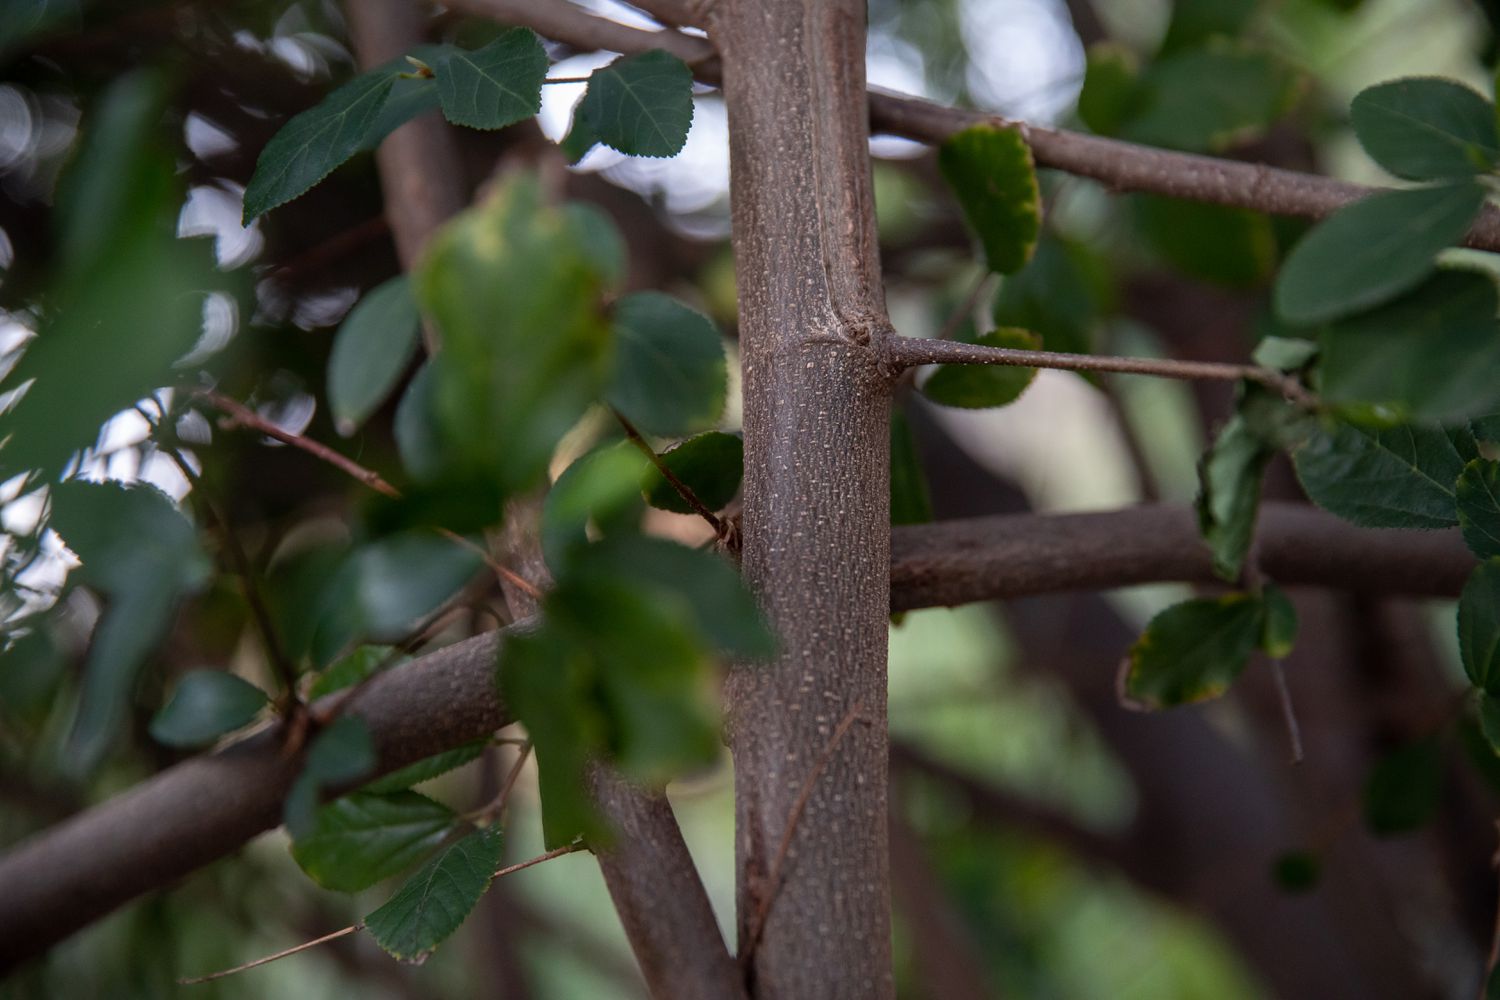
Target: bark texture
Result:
[[816, 510]]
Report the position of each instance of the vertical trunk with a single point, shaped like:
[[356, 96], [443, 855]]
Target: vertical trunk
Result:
[[816, 517]]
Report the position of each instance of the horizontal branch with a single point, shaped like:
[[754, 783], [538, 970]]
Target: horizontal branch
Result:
[[907, 352], [1118, 165], [1018, 555], [205, 808]]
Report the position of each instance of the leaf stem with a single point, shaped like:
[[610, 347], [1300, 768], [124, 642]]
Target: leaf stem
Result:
[[343, 932], [683, 490]]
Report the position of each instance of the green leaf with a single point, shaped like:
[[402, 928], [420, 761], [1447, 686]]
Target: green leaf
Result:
[[126, 303], [600, 238], [1427, 128], [1404, 789], [704, 587], [1059, 295], [973, 387], [410, 97], [362, 838], [910, 503], [313, 143], [1287, 354], [1280, 635], [434, 902], [991, 171], [206, 705], [602, 487], [1197, 21], [404, 578], [1428, 356], [641, 104], [516, 299], [374, 345], [1111, 92], [428, 768], [1373, 250], [1479, 627], [670, 375], [141, 554], [1229, 246], [31, 667], [360, 664], [1478, 496], [1207, 99], [580, 139], [1400, 477], [1229, 478], [340, 754], [710, 465], [1194, 650], [495, 86]]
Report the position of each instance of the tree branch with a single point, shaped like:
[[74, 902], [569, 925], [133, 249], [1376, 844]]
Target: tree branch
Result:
[[958, 562], [1118, 165], [907, 352], [204, 808]]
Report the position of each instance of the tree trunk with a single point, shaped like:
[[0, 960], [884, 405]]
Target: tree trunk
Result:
[[816, 515]]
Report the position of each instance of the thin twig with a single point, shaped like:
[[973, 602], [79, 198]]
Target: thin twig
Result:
[[488, 813], [241, 415], [554, 853], [566, 79], [1288, 710], [683, 490], [501, 570], [905, 352], [345, 932], [772, 884], [965, 310]]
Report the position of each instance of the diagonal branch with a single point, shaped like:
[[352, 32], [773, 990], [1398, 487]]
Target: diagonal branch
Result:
[[1118, 165]]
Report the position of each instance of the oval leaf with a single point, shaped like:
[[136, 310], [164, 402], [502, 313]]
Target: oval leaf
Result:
[[710, 465], [428, 768], [977, 387], [1373, 250], [991, 171], [495, 86], [1401, 477], [1427, 128], [1193, 650], [312, 144], [1479, 627], [1478, 495], [374, 345], [434, 902], [1430, 355], [641, 104], [670, 376], [205, 705], [362, 838]]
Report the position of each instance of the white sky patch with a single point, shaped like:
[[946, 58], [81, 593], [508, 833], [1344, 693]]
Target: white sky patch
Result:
[[1025, 60], [895, 65], [215, 210], [206, 139]]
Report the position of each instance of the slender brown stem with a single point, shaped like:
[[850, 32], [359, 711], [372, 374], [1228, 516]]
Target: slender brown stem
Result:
[[267, 959], [241, 415], [566, 79], [493, 809], [683, 490], [965, 310], [554, 853], [906, 352], [1288, 711], [773, 878], [501, 570]]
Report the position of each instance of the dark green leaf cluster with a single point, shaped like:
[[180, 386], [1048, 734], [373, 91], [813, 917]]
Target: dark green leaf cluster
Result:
[[641, 105]]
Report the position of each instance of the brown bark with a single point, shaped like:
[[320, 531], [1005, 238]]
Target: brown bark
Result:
[[816, 507]]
